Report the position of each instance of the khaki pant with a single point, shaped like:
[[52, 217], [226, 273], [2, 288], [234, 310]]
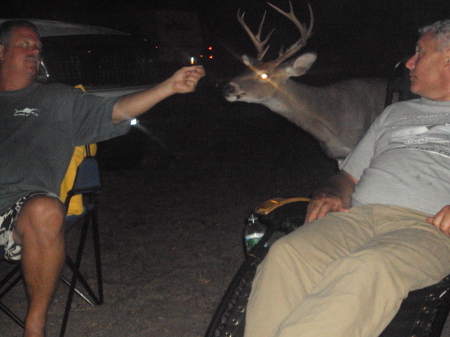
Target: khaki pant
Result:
[[346, 274]]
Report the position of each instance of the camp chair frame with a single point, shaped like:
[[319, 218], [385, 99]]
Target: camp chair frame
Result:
[[87, 184]]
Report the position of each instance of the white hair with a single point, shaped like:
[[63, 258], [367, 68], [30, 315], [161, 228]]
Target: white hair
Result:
[[440, 32]]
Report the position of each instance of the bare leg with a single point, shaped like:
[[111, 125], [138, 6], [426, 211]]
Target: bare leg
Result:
[[39, 229]]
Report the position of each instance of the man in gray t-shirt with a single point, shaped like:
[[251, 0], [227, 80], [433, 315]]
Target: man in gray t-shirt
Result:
[[39, 127], [377, 229], [409, 147]]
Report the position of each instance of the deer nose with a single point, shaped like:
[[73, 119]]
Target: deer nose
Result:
[[228, 89]]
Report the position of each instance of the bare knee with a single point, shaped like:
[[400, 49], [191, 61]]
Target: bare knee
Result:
[[40, 216]]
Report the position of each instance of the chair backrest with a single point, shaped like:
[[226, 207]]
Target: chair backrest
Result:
[[87, 179], [398, 85]]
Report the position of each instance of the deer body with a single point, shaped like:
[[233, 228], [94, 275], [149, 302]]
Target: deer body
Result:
[[337, 115]]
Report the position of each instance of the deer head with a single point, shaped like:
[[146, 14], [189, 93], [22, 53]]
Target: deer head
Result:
[[263, 78], [337, 115]]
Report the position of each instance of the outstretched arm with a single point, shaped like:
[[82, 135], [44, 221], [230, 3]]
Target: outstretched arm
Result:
[[130, 106], [334, 196]]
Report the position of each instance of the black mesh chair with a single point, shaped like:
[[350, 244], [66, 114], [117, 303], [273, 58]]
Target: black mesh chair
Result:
[[87, 184], [422, 314], [398, 85]]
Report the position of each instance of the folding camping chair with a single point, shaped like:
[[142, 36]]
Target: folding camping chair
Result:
[[87, 185], [422, 313]]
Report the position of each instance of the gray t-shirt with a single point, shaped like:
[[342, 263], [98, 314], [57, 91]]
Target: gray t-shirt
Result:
[[39, 127], [404, 159]]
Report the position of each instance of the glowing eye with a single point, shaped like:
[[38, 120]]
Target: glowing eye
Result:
[[264, 76]]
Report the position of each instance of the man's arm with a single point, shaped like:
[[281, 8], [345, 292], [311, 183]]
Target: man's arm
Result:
[[334, 196], [130, 106]]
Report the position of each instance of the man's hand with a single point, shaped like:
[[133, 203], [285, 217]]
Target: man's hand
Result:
[[441, 220], [322, 204], [334, 196], [185, 80]]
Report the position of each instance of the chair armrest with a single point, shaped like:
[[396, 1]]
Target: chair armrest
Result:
[[285, 214]]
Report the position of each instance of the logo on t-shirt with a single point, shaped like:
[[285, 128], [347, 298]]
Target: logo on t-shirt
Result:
[[27, 112], [429, 138]]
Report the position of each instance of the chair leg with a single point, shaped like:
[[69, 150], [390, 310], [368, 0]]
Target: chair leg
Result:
[[12, 315], [96, 299], [8, 277], [80, 278], [229, 318], [98, 261], [77, 276], [84, 284], [13, 273]]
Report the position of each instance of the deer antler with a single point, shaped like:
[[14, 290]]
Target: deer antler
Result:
[[261, 45], [256, 38], [284, 55]]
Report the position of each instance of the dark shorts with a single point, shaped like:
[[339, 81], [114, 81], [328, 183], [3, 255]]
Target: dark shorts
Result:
[[7, 223]]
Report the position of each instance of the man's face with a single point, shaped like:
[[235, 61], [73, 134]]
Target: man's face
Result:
[[429, 70], [23, 54]]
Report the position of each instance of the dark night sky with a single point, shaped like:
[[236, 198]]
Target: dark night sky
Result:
[[373, 32]]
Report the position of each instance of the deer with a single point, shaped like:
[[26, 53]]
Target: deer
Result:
[[337, 115]]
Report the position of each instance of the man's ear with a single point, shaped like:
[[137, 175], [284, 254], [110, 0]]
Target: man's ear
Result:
[[447, 55]]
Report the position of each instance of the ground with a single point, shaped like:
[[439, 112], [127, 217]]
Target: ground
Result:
[[171, 227]]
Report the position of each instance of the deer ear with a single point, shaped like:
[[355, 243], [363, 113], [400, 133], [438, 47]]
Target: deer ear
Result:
[[300, 65], [248, 61]]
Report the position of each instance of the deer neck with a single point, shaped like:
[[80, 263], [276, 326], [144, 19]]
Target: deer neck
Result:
[[302, 105]]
